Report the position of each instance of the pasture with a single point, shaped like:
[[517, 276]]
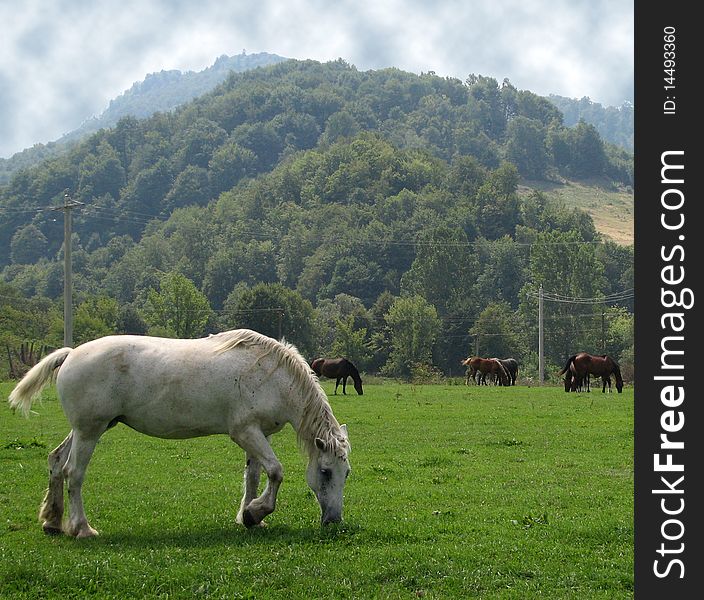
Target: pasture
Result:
[[456, 492]]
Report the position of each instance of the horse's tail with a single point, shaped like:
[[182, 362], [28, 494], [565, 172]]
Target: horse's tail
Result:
[[31, 385], [569, 362]]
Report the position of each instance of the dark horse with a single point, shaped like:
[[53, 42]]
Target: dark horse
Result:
[[511, 368], [340, 369], [579, 367]]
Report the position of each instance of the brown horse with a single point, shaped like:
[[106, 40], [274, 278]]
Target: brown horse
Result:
[[339, 369], [580, 367], [484, 366]]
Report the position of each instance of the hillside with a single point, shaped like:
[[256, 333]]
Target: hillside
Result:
[[334, 207], [611, 208]]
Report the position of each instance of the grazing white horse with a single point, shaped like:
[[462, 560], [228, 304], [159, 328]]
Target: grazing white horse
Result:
[[239, 383]]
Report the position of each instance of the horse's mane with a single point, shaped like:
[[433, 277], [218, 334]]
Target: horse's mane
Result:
[[318, 420], [353, 370]]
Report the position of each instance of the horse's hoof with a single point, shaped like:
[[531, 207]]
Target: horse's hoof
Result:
[[248, 520], [52, 529], [87, 532]]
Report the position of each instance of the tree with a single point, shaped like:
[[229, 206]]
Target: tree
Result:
[[101, 173], [177, 309], [229, 164], [28, 245], [251, 263], [498, 332], [568, 267], [273, 310], [526, 147], [351, 343], [414, 327], [190, 187], [442, 269], [95, 317], [588, 155]]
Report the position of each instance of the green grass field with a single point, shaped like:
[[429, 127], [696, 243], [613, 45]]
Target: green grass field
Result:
[[456, 492]]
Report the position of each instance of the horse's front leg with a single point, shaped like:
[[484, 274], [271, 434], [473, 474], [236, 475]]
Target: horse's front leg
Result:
[[252, 475], [344, 385], [258, 449]]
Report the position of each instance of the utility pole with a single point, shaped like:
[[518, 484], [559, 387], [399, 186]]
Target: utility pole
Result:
[[67, 207], [541, 360], [603, 331]]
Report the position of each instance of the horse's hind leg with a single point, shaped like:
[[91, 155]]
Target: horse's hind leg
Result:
[[52, 509], [82, 448]]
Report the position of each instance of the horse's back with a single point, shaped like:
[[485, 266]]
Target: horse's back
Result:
[[163, 387]]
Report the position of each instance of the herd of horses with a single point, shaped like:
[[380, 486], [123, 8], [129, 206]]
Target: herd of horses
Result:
[[501, 371], [578, 371]]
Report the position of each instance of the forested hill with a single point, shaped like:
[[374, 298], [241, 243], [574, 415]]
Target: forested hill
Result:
[[164, 91], [328, 205], [614, 123]]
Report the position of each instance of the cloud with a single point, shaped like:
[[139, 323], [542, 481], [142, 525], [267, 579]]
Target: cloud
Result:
[[62, 62]]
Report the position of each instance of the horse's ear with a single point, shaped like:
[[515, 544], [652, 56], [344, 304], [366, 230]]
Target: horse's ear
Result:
[[320, 444], [344, 430]]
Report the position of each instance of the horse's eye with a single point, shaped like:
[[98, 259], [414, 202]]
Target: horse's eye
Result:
[[348, 473], [325, 473]]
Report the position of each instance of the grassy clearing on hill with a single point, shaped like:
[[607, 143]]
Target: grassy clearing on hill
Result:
[[456, 492], [610, 208]]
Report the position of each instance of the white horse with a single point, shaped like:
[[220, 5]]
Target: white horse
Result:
[[239, 383]]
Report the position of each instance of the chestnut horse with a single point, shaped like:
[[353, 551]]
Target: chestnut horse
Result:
[[581, 366], [339, 369], [485, 366]]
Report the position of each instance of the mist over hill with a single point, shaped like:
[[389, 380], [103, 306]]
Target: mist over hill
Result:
[[614, 123], [158, 92]]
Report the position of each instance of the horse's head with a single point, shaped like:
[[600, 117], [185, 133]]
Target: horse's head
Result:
[[316, 365], [619, 379], [328, 469], [358, 386], [568, 380]]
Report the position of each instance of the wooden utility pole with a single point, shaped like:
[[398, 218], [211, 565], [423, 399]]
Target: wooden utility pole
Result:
[[67, 207], [541, 360]]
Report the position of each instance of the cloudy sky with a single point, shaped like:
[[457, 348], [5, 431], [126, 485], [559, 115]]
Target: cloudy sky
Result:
[[62, 61]]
